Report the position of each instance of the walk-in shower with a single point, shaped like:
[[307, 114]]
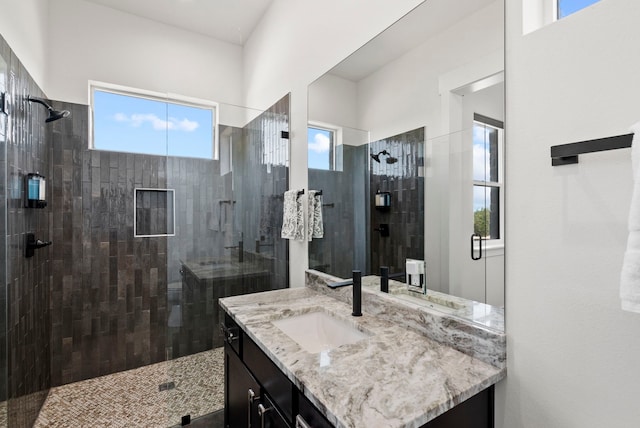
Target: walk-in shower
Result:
[[109, 327]]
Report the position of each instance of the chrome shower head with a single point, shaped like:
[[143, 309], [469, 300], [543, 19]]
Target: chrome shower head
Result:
[[53, 114]]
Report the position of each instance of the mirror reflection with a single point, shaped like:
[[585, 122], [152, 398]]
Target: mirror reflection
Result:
[[4, 78], [406, 142]]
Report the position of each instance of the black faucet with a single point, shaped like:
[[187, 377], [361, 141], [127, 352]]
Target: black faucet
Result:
[[356, 281], [385, 277], [240, 248]]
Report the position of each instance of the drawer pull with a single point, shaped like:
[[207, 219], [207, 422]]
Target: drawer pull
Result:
[[261, 411], [251, 397], [301, 423], [230, 333]]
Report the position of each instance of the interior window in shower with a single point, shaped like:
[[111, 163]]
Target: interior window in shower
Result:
[[137, 121]]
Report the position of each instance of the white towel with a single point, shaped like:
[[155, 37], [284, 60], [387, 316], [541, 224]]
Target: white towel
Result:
[[293, 216], [630, 277], [315, 228]]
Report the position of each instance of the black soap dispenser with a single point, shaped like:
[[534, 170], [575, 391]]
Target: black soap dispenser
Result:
[[35, 191], [383, 200]]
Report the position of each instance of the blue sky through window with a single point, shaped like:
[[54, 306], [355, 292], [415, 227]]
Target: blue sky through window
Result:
[[567, 7], [319, 141], [124, 123]]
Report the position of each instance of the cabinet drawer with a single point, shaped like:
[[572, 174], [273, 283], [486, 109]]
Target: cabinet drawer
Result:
[[269, 416], [269, 376], [310, 415], [231, 333], [475, 412]]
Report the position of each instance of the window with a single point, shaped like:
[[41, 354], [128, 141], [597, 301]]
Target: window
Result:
[[322, 143], [488, 177], [539, 13], [567, 7], [135, 121]]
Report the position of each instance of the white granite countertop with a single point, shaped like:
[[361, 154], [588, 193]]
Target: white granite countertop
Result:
[[477, 312], [394, 378]]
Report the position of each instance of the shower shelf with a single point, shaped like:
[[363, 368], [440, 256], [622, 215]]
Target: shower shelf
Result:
[[566, 154]]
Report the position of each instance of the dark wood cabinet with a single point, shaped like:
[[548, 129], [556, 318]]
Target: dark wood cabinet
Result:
[[310, 415], [240, 407], [258, 394], [477, 412]]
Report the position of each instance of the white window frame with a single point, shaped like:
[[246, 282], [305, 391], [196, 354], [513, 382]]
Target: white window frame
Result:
[[540, 13], [495, 243], [154, 96], [336, 140], [556, 6]]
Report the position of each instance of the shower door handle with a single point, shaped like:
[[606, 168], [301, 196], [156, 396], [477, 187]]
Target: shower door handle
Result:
[[473, 256]]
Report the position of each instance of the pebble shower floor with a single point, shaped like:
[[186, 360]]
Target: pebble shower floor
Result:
[[133, 398]]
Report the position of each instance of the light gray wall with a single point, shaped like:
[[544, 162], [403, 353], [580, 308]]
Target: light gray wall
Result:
[[24, 25], [572, 352]]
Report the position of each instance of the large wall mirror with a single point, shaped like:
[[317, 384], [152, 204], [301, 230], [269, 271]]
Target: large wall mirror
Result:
[[406, 143]]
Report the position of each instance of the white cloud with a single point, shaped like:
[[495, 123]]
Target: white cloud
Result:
[[320, 144], [481, 159], [157, 123]]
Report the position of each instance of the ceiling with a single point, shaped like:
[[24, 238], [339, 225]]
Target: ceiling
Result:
[[425, 21], [228, 20]]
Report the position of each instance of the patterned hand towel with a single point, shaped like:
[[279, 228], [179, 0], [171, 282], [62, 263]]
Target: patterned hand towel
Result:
[[315, 228], [293, 216]]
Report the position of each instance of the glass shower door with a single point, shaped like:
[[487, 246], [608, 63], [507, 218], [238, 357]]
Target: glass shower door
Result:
[[4, 74], [464, 252], [228, 215]]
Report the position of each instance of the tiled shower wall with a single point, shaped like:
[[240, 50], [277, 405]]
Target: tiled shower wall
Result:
[[24, 150], [261, 170], [109, 290], [350, 216], [109, 302], [344, 213], [5, 61], [405, 180]]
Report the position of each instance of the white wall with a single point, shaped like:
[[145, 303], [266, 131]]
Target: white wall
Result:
[[92, 42], [405, 94], [295, 43], [24, 25], [573, 355], [333, 100]]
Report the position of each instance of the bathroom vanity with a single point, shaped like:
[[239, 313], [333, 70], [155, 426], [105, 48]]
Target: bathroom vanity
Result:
[[384, 375], [204, 281]]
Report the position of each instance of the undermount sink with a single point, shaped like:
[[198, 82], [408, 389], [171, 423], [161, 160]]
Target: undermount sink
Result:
[[319, 331], [437, 302]]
